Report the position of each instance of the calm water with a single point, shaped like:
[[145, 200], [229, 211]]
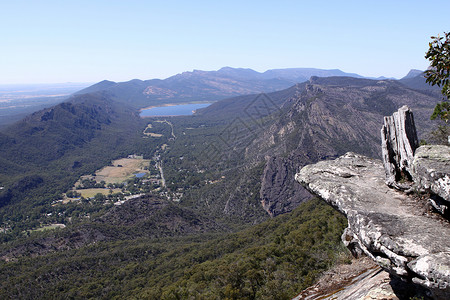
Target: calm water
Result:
[[176, 110], [139, 175]]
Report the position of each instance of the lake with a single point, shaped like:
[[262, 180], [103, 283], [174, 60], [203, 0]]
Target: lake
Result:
[[174, 110]]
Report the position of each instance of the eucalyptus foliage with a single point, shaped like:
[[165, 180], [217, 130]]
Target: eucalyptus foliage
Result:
[[438, 74]]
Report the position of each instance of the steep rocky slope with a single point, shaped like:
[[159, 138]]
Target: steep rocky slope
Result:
[[319, 119], [325, 118]]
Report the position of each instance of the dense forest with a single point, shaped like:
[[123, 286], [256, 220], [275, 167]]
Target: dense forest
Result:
[[273, 260]]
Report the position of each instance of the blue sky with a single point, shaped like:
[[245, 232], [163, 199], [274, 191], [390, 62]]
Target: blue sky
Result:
[[88, 41]]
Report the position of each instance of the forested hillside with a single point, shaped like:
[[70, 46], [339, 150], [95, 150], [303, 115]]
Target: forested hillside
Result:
[[273, 260], [45, 153]]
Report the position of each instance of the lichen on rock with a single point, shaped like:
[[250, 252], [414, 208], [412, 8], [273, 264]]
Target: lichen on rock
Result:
[[431, 172]]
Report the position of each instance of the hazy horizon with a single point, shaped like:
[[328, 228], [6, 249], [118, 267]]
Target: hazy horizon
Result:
[[91, 83]]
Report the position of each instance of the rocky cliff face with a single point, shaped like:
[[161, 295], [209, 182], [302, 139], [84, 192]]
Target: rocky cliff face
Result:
[[385, 224], [279, 193], [362, 279], [395, 229], [323, 119]]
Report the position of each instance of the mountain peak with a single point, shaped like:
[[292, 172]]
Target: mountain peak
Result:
[[413, 73], [239, 72], [100, 86]]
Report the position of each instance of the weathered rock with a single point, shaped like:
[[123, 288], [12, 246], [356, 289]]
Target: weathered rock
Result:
[[361, 280], [386, 224], [371, 285], [350, 282], [431, 171], [398, 143], [433, 271]]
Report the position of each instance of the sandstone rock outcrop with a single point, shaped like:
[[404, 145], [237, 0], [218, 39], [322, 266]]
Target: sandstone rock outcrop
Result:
[[385, 224], [431, 171], [398, 144], [362, 279]]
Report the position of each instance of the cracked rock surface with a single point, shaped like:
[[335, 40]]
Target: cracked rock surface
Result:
[[431, 170], [384, 223]]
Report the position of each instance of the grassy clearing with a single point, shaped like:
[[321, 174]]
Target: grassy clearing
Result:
[[120, 170], [88, 193], [50, 227]]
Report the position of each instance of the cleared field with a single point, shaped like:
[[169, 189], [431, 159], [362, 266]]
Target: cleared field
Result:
[[50, 227], [118, 172], [88, 193], [148, 133], [154, 134], [122, 170]]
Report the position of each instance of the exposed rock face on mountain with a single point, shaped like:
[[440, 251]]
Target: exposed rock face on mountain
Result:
[[413, 73], [278, 194], [362, 279], [385, 224], [394, 229], [323, 119]]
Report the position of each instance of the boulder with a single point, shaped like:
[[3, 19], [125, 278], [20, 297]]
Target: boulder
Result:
[[385, 224], [433, 271], [431, 171]]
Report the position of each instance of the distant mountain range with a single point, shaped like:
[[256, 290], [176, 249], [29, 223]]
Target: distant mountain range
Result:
[[195, 86], [209, 86], [108, 109]]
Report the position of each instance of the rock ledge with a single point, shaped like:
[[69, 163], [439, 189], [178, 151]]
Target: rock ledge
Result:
[[384, 223]]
